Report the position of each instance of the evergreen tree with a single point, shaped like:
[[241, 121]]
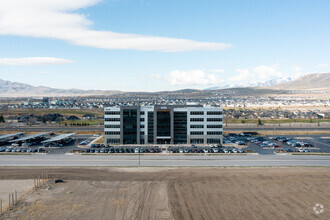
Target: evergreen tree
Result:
[[2, 119]]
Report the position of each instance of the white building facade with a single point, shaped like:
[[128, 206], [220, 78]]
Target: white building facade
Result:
[[163, 124]]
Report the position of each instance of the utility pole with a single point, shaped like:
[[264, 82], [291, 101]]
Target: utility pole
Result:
[[139, 155]]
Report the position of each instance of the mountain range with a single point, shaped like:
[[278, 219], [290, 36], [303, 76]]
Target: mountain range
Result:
[[253, 84], [316, 81]]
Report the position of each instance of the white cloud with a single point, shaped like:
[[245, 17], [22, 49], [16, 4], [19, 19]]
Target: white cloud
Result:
[[297, 68], [192, 77], [322, 65], [27, 61], [257, 74], [55, 19], [217, 70]]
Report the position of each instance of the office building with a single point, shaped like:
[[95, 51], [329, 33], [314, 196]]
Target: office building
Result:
[[163, 124]]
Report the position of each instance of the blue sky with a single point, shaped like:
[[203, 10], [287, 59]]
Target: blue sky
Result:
[[152, 45]]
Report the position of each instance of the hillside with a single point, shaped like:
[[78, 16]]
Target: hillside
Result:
[[316, 81], [16, 89]]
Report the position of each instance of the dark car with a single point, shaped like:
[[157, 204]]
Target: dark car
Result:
[[87, 151]]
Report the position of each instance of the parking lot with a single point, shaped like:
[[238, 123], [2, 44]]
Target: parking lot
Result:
[[288, 143], [38, 147], [232, 144]]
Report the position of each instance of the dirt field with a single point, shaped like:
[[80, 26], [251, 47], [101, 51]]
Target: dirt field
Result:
[[174, 193]]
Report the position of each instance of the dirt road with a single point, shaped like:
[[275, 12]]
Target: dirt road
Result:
[[174, 193]]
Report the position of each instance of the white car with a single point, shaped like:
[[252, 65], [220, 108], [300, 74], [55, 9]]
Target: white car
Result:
[[235, 151], [225, 151], [15, 145], [136, 150], [206, 150], [180, 151]]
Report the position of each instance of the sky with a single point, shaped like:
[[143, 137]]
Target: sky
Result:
[[156, 45]]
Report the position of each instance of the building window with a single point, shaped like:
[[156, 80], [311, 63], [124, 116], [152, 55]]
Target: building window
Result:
[[141, 132], [112, 126], [112, 132], [196, 126], [141, 119], [112, 113], [112, 119], [214, 133], [213, 141], [197, 133], [214, 126], [113, 141], [196, 119], [197, 113], [141, 126], [130, 126], [197, 141], [214, 113], [141, 113], [214, 119], [163, 123]]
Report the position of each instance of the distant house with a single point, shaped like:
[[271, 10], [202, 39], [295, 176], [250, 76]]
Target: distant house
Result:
[[12, 119], [73, 117], [88, 117]]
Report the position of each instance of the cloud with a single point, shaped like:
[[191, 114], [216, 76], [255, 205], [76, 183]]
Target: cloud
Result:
[[322, 65], [28, 61], [217, 70], [257, 74], [192, 77], [55, 19], [297, 68]]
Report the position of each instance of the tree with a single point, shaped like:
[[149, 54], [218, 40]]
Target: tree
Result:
[[2, 119]]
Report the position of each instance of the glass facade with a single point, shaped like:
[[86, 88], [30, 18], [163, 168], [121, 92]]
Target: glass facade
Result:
[[163, 123], [180, 127], [150, 127], [129, 126]]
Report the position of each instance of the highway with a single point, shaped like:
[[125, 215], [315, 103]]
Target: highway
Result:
[[162, 160]]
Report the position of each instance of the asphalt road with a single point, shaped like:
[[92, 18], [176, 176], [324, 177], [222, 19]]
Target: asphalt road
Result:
[[162, 160]]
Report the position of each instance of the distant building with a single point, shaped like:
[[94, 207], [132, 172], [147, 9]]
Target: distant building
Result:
[[88, 117], [163, 124]]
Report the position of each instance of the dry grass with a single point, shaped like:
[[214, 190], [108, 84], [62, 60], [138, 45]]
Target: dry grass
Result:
[[175, 193]]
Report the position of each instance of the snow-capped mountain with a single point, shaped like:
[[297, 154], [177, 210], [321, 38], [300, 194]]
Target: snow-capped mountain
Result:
[[254, 84]]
